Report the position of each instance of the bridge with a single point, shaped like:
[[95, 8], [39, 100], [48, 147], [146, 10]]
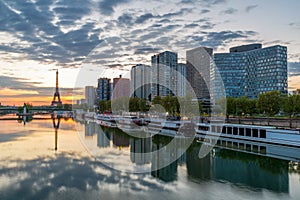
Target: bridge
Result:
[[35, 110]]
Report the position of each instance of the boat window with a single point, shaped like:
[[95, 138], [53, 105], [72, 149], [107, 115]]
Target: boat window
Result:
[[219, 142], [255, 148], [235, 145], [255, 134], [263, 134], [248, 132], [248, 147], [203, 128], [235, 130], [263, 150], [229, 144], [241, 131], [242, 146], [224, 130], [229, 130], [224, 143], [213, 128]]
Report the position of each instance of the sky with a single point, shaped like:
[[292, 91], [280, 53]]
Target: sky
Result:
[[88, 39]]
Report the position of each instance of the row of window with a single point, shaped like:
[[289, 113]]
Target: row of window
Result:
[[245, 132]]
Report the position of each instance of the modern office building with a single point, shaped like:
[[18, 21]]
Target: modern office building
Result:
[[198, 71], [181, 79], [164, 74], [249, 70], [140, 84], [121, 87], [103, 89], [90, 96]]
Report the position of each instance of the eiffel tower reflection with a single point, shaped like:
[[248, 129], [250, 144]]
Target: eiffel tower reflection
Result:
[[56, 123]]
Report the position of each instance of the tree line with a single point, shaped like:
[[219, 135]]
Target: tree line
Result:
[[267, 104], [174, 106]]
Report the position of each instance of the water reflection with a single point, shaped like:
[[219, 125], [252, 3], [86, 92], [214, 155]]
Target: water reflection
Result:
[[30, 169], [240, 168], [56, 123]]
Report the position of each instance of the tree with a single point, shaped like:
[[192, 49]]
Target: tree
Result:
[[269, 103], [251, 106], [231, 107], [168, 104], [134, 104], [157, 100], [143, 105], [102, 105], [291, 105]]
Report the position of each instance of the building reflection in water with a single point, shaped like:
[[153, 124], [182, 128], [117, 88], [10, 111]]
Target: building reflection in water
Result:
[[239, 168], [140, 150], [104, 138], [164, 163], [56, 123], [91, 128]]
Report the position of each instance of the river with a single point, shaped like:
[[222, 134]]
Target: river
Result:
[[65, 159]]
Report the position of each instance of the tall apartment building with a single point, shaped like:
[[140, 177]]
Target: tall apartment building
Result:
[[164, 74], [140, 84], [103, 89], [249, 70], [181, 80], [121, 88], [199, 71], [90, 96]]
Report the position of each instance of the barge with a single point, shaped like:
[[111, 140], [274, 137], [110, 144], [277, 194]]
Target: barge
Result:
[[266, 134]]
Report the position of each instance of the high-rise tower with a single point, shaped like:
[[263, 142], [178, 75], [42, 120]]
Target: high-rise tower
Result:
[[56, 94]]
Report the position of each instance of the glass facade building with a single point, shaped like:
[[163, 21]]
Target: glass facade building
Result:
[[250, 70], [140, 83], [103, 89], [198, 71], [164, 74], [181, 79]]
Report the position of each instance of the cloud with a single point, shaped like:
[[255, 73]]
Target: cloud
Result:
[[294, 69], [145, 17], [16, 83], [295, 25], [250, 8], [204, 11], [216, 39], [213, 2], [39, 30], [146, 50], [107, 6], [229, 11]]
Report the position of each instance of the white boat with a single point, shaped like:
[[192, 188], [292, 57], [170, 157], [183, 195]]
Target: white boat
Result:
[[284, 152], [105, 117], [265, 134]]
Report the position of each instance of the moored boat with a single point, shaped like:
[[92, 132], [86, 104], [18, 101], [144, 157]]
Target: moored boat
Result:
[[266, 134]]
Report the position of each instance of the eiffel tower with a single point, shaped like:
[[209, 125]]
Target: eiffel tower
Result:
[[56, 94]]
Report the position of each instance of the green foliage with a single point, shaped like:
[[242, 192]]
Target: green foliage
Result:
[[157, 100], [67, 106], [231, 106], [291, 104], [102, 106], [269, 103], [143, 105], [134, 104]]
